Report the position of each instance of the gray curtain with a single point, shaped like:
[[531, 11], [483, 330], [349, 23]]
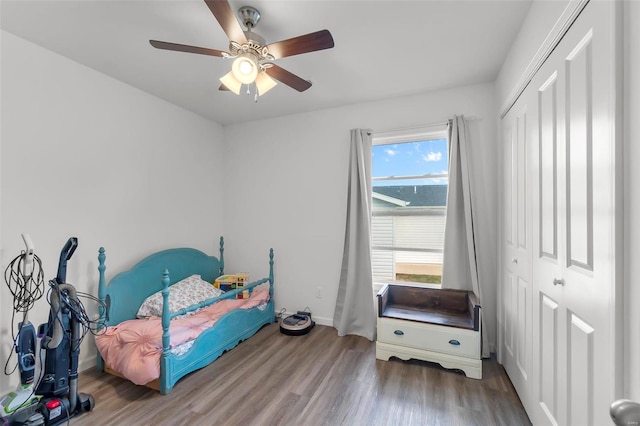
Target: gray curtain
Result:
[[354, 312], [460, 268]]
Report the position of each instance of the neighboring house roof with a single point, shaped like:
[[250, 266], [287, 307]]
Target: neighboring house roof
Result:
[[389, 200], [413, 195]]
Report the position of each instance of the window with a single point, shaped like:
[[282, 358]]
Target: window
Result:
[[409, 179]]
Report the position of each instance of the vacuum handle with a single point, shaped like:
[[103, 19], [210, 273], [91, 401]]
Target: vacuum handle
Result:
[[65, 255]]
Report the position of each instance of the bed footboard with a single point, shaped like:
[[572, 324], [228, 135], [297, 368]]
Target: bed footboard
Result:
[[231, 329]]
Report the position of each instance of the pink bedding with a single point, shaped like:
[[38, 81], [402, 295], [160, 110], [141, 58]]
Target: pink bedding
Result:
[[133, 348]]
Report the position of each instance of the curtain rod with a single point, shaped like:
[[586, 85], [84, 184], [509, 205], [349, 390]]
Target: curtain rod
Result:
[[421, 126], [402, 129]]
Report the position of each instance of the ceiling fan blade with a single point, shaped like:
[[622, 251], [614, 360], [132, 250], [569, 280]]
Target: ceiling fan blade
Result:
[[319, 40], [223, 88], [185, 48], [288, 78], [227, 20]]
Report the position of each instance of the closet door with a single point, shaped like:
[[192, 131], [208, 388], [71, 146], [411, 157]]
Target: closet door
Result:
[[516, 304], [575, 216]]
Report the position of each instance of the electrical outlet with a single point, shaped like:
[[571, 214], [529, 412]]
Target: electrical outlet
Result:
[[319, 293]]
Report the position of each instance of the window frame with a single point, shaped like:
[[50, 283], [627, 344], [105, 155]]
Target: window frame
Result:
[[400, 136]]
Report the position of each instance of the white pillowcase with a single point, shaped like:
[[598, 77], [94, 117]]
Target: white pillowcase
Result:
[[182, 294]]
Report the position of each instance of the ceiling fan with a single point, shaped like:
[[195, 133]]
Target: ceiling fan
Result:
[[253, 58]]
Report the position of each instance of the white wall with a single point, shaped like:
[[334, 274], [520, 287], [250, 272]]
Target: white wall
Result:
[[87, 156], [288, 190], [632, 190]]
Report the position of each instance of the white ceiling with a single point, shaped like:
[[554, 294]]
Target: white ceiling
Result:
[[383, 48]]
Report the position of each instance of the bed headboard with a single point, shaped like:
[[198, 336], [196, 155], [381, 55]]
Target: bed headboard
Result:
[[127, 290]]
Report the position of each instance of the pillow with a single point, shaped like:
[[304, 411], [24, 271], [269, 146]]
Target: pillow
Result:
[[182, 294]]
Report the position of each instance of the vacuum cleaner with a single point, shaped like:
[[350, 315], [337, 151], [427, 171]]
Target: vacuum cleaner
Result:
[[27, 290], [297, 324], [55, 398]]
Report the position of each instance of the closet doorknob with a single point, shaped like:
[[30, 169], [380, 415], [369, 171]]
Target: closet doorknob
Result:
[[558, 281]]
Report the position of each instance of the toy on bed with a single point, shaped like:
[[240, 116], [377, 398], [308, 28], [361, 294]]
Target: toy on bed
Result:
[[233, 281], [156, 332]]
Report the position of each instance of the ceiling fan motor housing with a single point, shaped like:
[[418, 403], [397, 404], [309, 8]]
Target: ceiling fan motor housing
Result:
[[249, 16], [255, 44]]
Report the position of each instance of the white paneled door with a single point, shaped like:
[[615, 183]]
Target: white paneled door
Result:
[[570, 109], [576, 206], [516, 305]]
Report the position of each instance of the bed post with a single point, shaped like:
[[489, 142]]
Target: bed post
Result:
[[166, 337], [221, 272], [165, 312], [271, 273], [102, 309]]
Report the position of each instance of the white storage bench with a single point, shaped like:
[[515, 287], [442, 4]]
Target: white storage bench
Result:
[[441, 326]]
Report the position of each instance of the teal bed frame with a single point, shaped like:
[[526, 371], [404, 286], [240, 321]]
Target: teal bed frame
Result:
[[127, 290]]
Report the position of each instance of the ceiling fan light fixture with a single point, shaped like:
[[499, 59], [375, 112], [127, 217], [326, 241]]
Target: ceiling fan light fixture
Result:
[[264, 83], [231, 83], [245, 68]]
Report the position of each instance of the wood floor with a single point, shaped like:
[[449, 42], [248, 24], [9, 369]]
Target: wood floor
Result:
[[317, 379]]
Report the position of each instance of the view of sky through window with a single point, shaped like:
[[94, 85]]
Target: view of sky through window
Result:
[[410, 159]]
